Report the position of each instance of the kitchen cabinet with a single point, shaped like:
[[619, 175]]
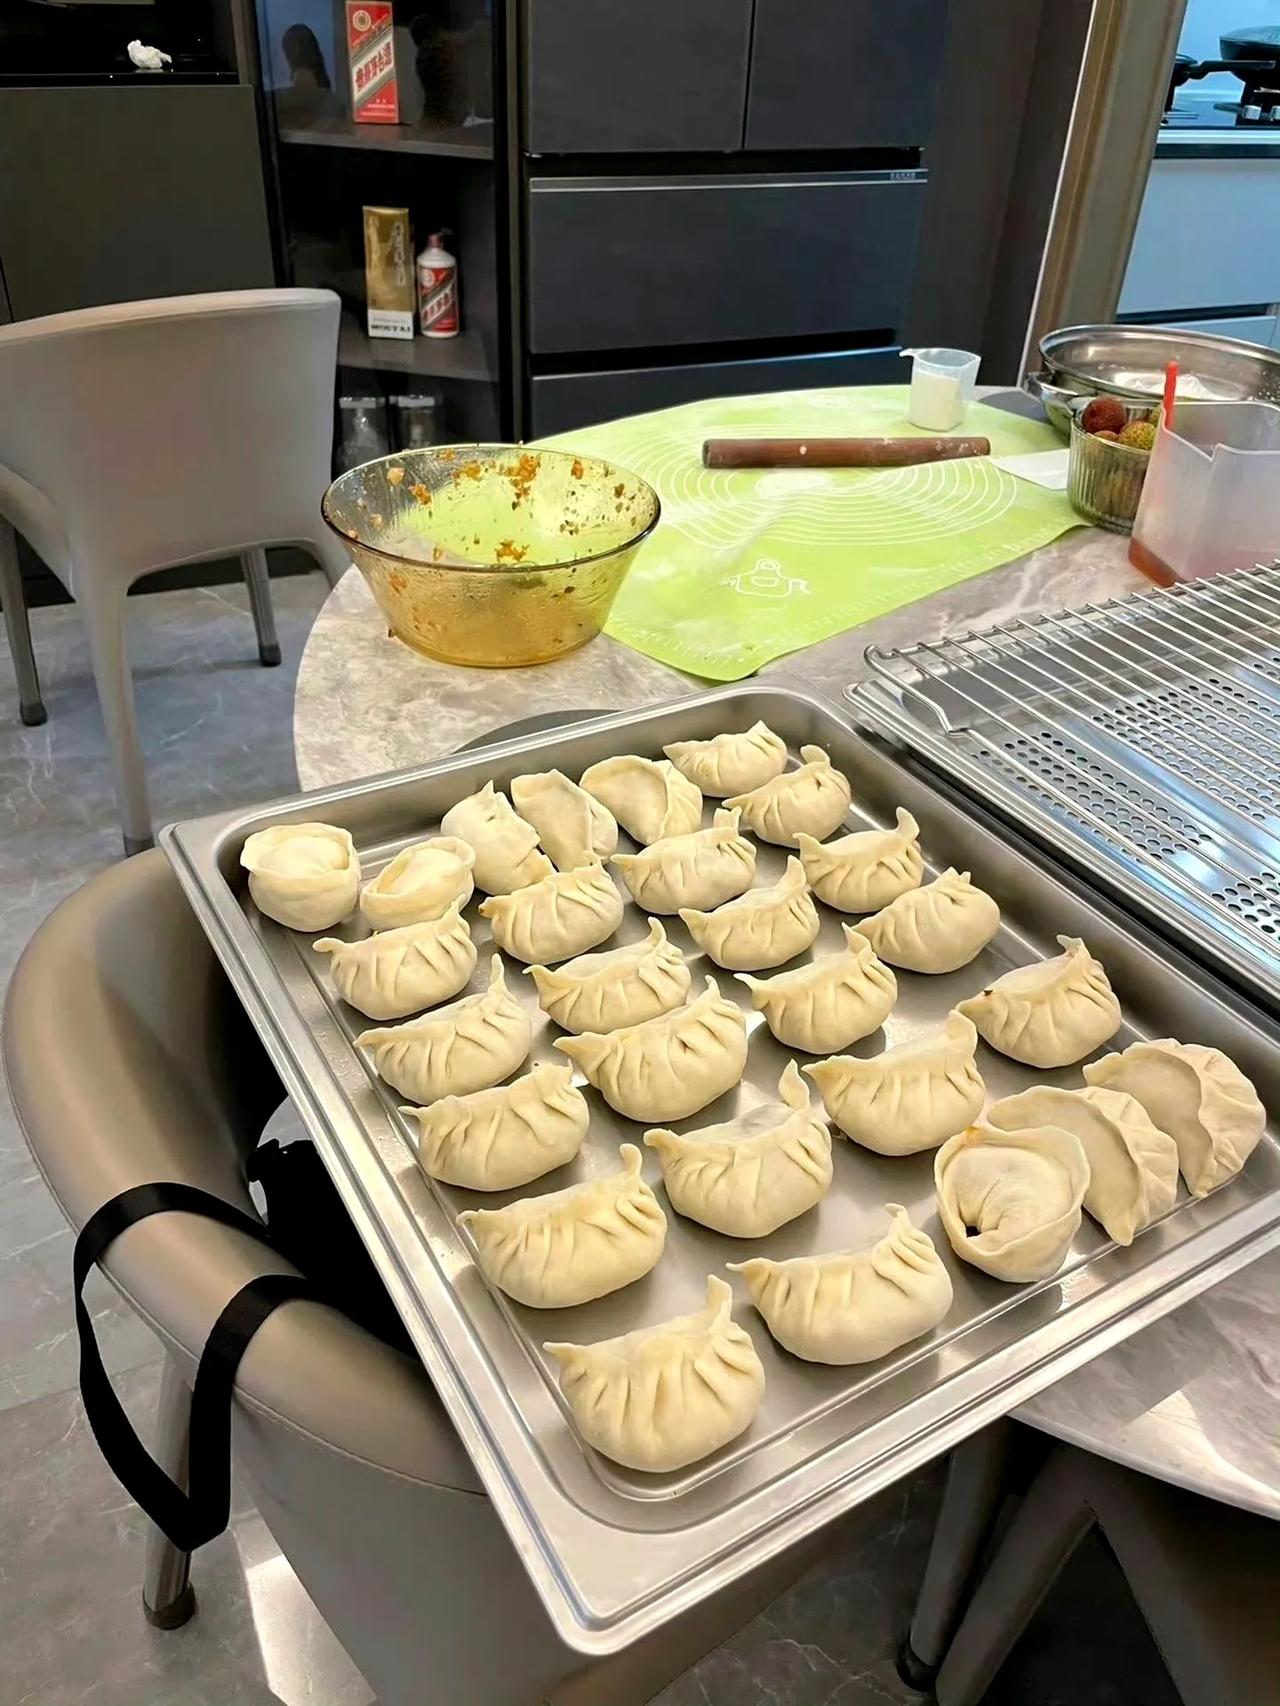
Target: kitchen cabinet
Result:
[[628, 262], [844, 73], [561, 402], [128, 192], [1208, 237], [611, 76]]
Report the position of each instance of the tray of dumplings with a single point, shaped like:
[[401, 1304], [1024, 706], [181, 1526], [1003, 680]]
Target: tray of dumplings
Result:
[[736, 1119]]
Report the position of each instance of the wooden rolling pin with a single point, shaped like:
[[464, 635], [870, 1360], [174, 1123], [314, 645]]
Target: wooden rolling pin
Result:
[[837, 452]]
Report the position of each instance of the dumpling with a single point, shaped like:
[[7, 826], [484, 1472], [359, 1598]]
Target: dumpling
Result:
[[703, 869], [494, 1140], [863, 872], [909, 1098], [423, 881], [664, 1397], [749, 1176], [402, 971], [731, 763], [1010, 1200], [572, 827], [937, 928], [304, 875], [812, 800], [762, 928], [626, 986], [1200, 1097], [853, 1305], [1133, 1166], [1052, 1013], [832, 1002], [506, 847], [466, 1046], [670, 1067], [572, 1246], [649, 797], [562, 914]]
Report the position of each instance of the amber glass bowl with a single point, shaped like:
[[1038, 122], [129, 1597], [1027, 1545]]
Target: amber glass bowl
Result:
[[492, 554]]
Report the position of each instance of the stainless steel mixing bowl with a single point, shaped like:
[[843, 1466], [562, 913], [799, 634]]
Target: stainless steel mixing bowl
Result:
[[1129, 362]]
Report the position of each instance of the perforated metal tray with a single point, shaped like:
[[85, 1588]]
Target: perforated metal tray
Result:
[[1140, 738], [613, 1552]]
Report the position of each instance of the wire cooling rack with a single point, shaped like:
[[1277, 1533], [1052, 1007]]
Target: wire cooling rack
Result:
[[1143, 734]]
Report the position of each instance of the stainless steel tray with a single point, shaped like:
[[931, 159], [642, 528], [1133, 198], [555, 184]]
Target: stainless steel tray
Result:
[[614, 1553], [1139, 738]]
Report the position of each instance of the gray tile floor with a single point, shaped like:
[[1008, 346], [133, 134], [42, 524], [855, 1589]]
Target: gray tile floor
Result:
[[218, 732]]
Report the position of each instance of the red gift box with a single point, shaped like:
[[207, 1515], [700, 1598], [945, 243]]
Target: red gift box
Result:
[[371, 52]]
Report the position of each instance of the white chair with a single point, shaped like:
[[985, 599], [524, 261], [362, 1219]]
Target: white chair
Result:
[[145, 435]]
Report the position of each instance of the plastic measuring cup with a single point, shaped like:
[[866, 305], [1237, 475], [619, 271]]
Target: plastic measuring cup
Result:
[[942, 382], [1211, 500]]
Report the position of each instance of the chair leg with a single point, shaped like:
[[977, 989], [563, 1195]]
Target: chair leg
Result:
[[970, 1503], [168, 1599], [104, 618], [1054, 1517], [254, 564], [18, 623]]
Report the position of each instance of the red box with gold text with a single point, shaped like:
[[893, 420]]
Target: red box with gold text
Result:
[[375, 98]]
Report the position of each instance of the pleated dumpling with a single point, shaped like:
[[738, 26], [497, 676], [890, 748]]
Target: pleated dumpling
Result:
[[625, 986], [1133, 1165], [763, 927], [937, 928], [573, 828], [1010, 1200], [505, 846], [402, 971], [1051, 1013], [703, 869], [466, 1046], [571, 1246], [495, 1140], [751, 1175], [670, 1067], [558, 916], [304, 875], [423, 881], [649, 797], [864, 871], [1199, 1096], [811, 800], [666, 1396], [832, 1002], [731, 763], [853, 1306], [909, 1098]]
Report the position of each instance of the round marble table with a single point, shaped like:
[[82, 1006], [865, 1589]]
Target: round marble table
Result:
[[1192, 1399]]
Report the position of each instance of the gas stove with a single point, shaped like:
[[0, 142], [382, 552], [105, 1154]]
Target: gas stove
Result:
[[1257, 109], [1252, 56]]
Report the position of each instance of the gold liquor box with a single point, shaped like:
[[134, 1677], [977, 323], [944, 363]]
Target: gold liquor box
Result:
[[390, 286]]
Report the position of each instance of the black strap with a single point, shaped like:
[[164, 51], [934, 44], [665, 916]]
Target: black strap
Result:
[[188, 1518]]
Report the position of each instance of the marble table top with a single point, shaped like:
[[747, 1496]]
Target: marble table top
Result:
[[1194, 1398]]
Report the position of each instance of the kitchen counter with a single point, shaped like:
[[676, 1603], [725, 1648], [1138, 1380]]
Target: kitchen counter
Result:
[[1193, 1398], [1246, 143]]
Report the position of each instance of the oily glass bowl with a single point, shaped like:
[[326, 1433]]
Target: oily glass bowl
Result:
[[492, 554]]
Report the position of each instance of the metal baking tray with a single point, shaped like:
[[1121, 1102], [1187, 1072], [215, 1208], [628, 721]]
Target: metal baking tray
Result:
[[614, 1553], [1139, 739]]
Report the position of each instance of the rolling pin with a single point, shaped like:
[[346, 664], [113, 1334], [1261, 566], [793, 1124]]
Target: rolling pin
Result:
[[837, 452]]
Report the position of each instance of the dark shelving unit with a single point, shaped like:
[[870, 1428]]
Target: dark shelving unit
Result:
[[439, 163], [462, 358], [450, 142]]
